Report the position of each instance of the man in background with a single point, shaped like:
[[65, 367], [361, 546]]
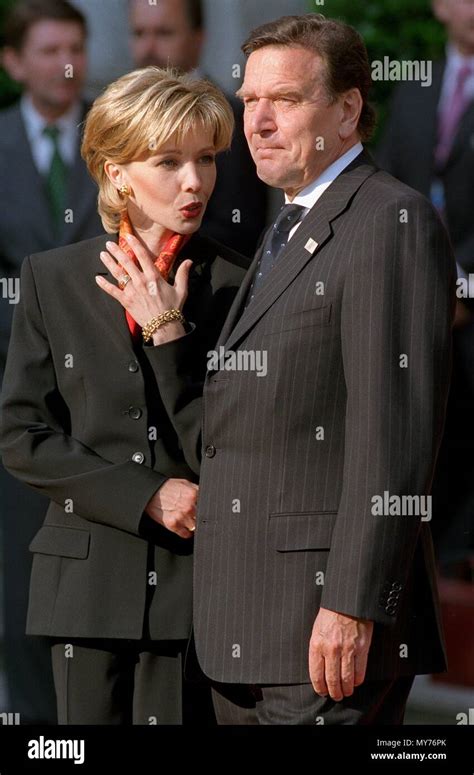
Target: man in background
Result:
[[171, 33], [48, 200], [429, 144]]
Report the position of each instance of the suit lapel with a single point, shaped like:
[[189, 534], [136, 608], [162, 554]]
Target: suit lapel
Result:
[[464, 135], [114, 312], [29, 185], [240, 297], [313, 233]]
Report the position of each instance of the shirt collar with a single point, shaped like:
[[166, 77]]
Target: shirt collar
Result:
[[310, 195], [35, 122], [456, 60]]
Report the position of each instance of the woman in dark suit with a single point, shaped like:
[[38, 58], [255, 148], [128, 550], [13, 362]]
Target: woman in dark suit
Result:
[[82, 419]]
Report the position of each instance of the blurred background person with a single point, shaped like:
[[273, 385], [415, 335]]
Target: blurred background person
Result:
[[48, 199], [428, 143], [172, 33]]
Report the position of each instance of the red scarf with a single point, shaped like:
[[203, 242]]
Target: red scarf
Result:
[[163, 262]]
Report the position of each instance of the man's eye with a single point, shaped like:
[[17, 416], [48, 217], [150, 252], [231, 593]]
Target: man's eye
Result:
[[250, 102], [207, 159], [285, 100]]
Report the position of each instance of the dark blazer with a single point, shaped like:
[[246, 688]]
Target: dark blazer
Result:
[[284, 507], [82, 422], [25, 220], [407, 152]]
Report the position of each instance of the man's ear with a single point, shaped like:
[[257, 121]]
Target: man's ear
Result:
[[13, 64], [351, 109]]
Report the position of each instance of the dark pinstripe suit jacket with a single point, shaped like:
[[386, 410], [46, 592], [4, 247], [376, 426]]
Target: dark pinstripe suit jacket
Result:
[[352, 406]]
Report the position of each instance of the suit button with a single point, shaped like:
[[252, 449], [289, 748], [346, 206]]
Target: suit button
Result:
[[133, 366], [210, 450], [396, 586], [134, 412], [391, 609], [138, 457]]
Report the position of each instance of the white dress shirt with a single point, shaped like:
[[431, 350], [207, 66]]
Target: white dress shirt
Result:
[[454, 62], [310, 195], [41, 145]]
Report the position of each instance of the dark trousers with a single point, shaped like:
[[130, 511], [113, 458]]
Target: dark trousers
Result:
[[376, 702], [127, 682], [27, 659]]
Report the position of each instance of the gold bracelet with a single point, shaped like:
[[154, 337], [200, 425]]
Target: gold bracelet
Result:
[[169, 316]]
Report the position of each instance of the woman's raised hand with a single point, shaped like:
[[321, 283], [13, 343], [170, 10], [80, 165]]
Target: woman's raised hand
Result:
[[146, 294]]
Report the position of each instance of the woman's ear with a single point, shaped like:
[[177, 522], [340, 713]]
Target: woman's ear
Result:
[[114, 173]]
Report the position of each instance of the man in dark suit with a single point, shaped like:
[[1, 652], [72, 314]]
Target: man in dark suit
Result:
[[314, 591], [429, 144], [48, 200], [171, 33]]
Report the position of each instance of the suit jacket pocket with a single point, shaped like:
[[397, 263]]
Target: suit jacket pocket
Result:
[[295, 531], [61, 541]]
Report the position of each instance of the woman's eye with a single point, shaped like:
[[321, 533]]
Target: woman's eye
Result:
[[208, 159], [169, 164]]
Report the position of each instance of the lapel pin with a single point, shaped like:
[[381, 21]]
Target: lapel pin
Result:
[[311, 245]]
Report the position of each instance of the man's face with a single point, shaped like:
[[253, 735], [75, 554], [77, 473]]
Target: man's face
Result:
[[42, 63], [458, 18], [293, 131], [161, 35]]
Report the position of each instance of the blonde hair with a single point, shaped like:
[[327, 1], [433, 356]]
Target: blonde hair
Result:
[[137, 114]]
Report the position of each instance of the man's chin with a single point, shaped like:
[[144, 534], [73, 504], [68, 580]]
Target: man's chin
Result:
[[273, 178]]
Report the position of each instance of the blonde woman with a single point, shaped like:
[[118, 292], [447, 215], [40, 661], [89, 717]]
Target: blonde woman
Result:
[[82, 418]]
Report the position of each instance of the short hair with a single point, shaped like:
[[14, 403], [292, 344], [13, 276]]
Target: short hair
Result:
[[341, 48], [25, 13], [137, 114]]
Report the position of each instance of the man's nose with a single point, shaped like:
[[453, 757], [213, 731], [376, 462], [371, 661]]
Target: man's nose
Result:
[[261, 118]]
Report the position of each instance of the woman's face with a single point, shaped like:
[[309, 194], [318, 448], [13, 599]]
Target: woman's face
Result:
[[172, 187]]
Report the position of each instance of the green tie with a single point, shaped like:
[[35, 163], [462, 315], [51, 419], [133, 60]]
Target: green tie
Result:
[[56, 179]]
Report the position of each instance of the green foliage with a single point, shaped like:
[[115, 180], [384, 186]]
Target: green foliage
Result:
[[399, 29], [9, 90]]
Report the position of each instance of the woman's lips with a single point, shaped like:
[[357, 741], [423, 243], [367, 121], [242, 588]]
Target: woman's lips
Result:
[[192, 210]]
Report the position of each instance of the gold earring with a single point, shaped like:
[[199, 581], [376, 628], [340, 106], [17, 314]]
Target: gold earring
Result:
[[124, 190]]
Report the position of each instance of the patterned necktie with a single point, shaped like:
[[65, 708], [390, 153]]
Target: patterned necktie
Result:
[[451, 115], [274, 244], [56, 179]]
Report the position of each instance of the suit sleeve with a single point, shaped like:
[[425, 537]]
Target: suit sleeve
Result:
[[397, 311], [35, 445], [181, 395]]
